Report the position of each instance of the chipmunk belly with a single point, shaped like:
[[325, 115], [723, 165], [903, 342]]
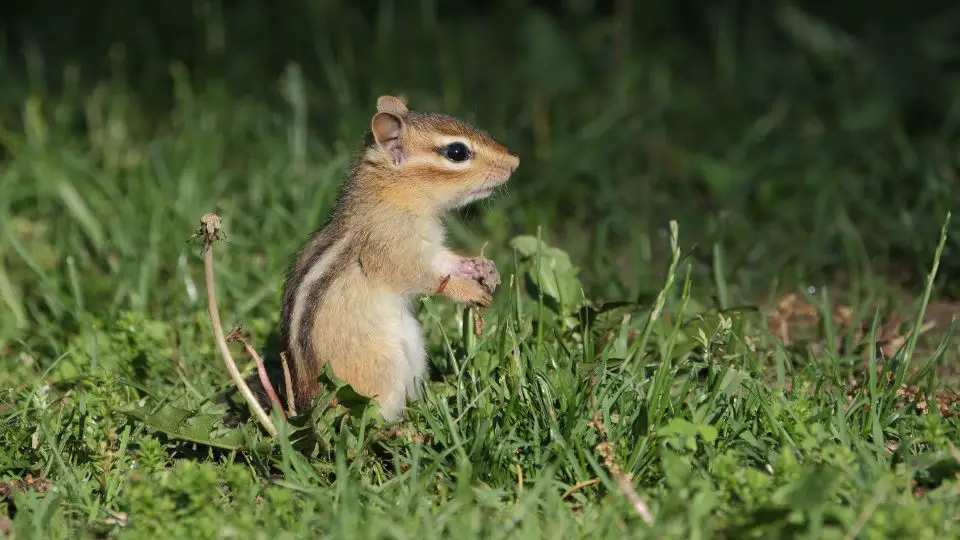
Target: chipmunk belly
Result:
[[416, 351], [370, 337]]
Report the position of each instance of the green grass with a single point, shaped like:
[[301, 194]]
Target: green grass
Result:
[[613, 344]]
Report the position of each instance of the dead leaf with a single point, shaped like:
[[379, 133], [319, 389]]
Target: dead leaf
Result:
[[8, 488]]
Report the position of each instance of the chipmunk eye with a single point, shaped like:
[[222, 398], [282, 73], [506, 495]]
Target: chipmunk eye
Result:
[[456, 152]]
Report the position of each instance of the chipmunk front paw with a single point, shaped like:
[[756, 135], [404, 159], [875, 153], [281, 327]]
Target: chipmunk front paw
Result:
[[482, 271], [483, 298], [466, 291]]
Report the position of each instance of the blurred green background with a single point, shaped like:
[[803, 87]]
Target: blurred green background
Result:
[[796, 143], [806, 146]]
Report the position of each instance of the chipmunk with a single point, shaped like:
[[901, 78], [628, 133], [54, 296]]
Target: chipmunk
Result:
[[347, 296]]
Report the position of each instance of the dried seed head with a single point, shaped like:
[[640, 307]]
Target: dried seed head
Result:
[[210, 229]]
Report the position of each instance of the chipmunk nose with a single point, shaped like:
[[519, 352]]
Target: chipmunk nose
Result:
[[514, 162]]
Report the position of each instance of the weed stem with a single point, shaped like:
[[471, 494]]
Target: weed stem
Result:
[[236, 336], [288, 382], [210, 231]]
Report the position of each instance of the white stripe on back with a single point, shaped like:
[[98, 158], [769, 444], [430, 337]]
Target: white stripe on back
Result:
[[306, 285]]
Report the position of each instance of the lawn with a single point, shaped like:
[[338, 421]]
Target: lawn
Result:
[[730, 280]]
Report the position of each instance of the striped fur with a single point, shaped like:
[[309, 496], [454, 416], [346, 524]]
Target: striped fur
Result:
[[307, 279], [347, 296]]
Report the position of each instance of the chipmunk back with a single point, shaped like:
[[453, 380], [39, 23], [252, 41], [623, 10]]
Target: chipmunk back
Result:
[[347, 297]]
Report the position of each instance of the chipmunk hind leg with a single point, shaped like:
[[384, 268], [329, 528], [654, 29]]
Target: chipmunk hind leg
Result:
[[377, 373], [366, 346]]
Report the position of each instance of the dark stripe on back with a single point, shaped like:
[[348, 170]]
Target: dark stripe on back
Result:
[[317, 247], [312, 307]]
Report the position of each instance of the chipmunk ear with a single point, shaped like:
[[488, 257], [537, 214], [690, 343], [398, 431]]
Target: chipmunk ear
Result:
[[392, 104], [386, 128]]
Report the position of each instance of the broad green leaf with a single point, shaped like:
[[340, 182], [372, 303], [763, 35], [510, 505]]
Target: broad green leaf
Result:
[[179, 423], [557, 278], [346, 396]]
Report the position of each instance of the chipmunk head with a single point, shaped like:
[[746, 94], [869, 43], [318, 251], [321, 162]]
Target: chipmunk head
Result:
[[433, 161]]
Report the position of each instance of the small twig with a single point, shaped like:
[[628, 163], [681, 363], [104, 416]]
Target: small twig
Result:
[[578, 486], [519, 478], [443, 284], [477, 322], [478, 317], [236, 336], [288, 382], [210, 230]]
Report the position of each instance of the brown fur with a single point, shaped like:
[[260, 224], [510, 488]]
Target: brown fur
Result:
[[382, 246]]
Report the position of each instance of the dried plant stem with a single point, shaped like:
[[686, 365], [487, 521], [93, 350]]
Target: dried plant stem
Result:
[[578, 486], [626, 488], [235, 335], [288, 382], [624, 485], [477, 322], [210, 231]]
